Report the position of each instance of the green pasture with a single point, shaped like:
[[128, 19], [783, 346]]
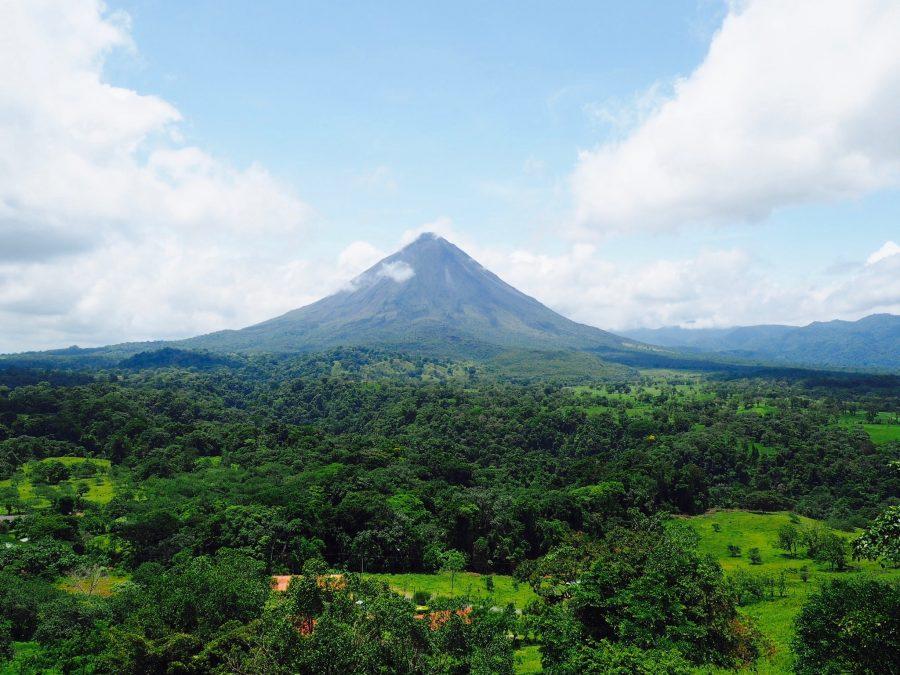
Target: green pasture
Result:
[[760, 530], [885, 430], [465, 585], [638, 401], [101, 487], [761, 409]]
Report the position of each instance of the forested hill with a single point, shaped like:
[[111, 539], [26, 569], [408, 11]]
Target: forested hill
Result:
[[871, 342], [146, 509]]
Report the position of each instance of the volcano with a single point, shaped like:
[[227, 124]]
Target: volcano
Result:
[[429, 297]]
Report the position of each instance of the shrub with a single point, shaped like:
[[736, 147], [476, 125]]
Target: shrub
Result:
[[881, 539], [849, 627], [755, 556]]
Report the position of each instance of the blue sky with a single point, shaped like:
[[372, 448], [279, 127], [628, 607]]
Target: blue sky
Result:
[[211, 164], [416, 108]]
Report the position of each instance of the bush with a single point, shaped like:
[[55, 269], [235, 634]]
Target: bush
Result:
[[881, 539], [849, 627], [748, 587], [767, 501], [421, 597], [614, 659], [755, 556]]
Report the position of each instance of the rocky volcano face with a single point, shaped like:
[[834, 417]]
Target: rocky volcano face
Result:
[[429, 296]]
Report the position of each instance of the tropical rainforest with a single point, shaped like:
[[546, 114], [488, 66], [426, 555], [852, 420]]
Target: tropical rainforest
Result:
[[432, 515]]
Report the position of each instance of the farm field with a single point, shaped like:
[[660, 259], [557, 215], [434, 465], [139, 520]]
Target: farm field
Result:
[[884, 431], [774, 617], [466, 585]]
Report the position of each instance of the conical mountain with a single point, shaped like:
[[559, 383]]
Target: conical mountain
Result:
[[430, 296]]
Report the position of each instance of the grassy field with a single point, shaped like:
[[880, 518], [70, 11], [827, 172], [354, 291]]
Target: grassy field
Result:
[[774, 617], [101, 487], [103, 586], [528, 660], [466, 585], [637, 402], [885, 431], [760, 409]]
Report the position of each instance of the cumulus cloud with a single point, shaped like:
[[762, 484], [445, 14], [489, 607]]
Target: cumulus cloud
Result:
[[111, 226], [713, 288], [874, 288], [795, 102]]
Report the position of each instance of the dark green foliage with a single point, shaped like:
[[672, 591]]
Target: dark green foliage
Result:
[[52, 472], [882, 539], [366, 460], [833, 550], [647, 588], [608, 658], [849, 627]]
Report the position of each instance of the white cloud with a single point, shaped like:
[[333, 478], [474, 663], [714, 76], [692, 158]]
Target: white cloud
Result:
[[111, 227], [398, 271], [714, 287], [874, 288], [795, 102], [888, 249], [442, 226]]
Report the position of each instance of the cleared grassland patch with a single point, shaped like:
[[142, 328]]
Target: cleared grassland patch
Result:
[[103, 586], [775, 617], [466, 585], [528, 660], [100, 487], [884, 431]]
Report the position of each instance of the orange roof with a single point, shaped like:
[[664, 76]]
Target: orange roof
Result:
[[280, 582], [438, 618]]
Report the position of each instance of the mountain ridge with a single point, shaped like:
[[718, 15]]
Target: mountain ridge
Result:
[[870, 342]]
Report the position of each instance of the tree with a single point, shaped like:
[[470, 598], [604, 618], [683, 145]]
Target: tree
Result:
[[647, 586], [454, 561], [789, 539], [849, 627], [755, 556], [833, 551], [881, 539], [9, 498], [734, 550]]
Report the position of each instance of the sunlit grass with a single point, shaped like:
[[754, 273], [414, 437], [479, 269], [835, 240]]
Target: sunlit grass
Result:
[[101, 487], [466, 585], [760, 530]]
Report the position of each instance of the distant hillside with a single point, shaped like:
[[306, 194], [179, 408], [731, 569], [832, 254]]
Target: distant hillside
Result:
[[871, 342]]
